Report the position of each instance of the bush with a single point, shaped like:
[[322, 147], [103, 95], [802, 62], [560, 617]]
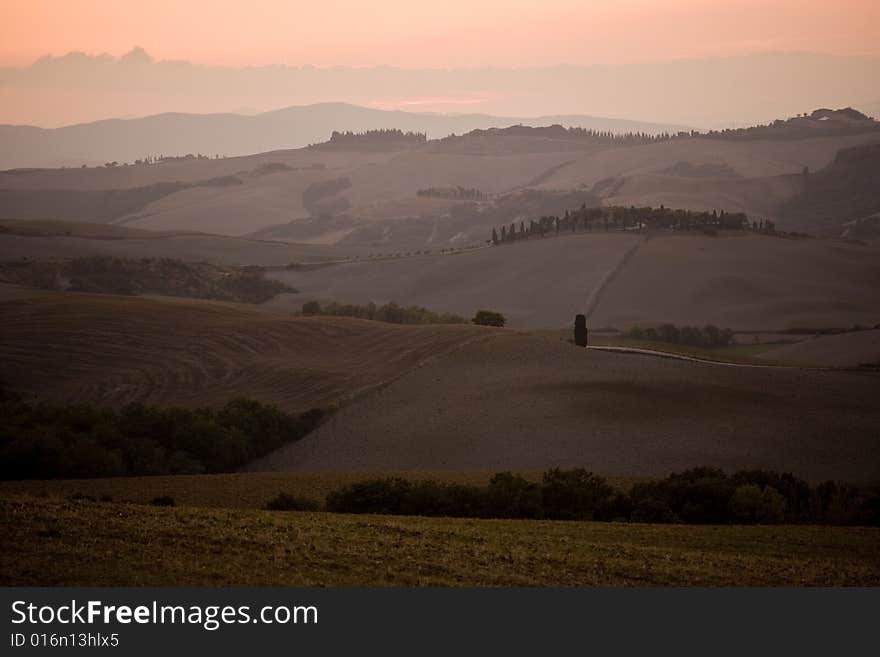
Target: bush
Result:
[[709, 336], [311, 308], [512, 496], [574, 494], [390, 313], [796, 492], [383, 496], [654, 511], [46, 441], [285, 502], [162, 500], [695, 496], [488, 318], [752, 504]]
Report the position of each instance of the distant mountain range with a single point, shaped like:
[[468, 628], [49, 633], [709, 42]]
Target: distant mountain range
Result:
[[125, 140]]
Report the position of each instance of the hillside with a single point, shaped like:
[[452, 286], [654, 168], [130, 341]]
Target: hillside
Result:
[[851, 348], [144, 276], [461, 398], [741, 281], [125, 140], [846, 191], [745, 282], [524, 402], [381, 204], [58, 240], [753, 173], [536, 284], [113, 350]]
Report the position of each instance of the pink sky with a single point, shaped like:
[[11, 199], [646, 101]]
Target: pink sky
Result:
[[448, 33]]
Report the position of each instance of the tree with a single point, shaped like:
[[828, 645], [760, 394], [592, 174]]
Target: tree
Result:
[[573, 494], [488, 318], [752, 504], [311, 308], [580, 330]]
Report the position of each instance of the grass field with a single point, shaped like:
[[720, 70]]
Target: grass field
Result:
[[535, 284], [744, 282], [735, 280], [734, 353], [111, 350], [521, 401], [245, 490], [47, 542]]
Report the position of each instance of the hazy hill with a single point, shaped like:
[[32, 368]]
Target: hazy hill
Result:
[[380, 190], [847, 190], [125, 140], [144, 276], [60, 240], [741, 281]]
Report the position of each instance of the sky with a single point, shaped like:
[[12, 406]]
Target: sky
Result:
[[451, 33], [701, 62]]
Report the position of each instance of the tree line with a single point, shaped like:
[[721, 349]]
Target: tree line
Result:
[[42, 440], [350, 139], [395, 314], [696, 496], [708, 336], [557, 131], [456, 193], [621, 218], [389, 312]]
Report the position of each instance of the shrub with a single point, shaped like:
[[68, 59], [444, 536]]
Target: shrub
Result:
[[384, 496], [391, 313], [653, 510], [488, 318], [573, 494], [512, 496], [428, 498], [695, 496], [162, 500], [752, 504], [311, 308], [46, 441], [708, 336], [285, 502], [796, 492]]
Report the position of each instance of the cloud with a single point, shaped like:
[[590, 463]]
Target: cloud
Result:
[[705, 92]]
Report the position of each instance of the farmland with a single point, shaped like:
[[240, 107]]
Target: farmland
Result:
[[523, 401], [47, 541], [112, 350]]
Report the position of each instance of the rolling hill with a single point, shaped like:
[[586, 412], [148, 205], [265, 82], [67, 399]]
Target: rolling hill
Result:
[[381, 204], [125, 140], [851, 348], [112, 350], [844, 192], [741, 281], [56, 240], [444, 397], [520, 401]]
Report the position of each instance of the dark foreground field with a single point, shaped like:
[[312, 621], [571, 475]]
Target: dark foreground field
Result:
[[52, 541], [521, 401]]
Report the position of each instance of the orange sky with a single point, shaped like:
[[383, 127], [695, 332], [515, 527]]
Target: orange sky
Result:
[[447, 33]]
